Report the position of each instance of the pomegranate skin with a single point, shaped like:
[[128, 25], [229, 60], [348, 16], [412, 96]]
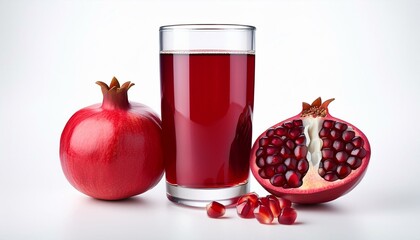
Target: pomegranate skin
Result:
[[314, 188], [112, 151]]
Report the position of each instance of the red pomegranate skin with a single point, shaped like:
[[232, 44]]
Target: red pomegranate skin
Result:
[[112, 151], [315, 189]]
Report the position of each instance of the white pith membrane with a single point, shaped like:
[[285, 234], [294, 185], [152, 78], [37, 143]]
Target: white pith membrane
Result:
[[312, 180]]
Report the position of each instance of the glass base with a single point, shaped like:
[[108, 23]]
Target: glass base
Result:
[[200, 197]]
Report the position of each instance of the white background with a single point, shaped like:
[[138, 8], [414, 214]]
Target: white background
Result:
[[366, 54]]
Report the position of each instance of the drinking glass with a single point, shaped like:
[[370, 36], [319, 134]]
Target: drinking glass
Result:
[[207, 100]]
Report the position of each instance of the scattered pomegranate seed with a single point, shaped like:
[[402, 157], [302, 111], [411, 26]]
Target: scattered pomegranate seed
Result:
[[215, 209], [284, 203], [246, 205], [264, 209], [245, 209], [287, 216], [273, 203], [263, 214], [252, 196]]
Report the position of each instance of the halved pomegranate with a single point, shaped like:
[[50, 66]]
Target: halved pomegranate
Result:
[[312, 157]]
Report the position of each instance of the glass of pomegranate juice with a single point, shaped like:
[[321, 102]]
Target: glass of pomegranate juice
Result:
[[207, 100]]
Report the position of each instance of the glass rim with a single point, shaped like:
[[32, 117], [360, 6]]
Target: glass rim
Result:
[[207, 27]]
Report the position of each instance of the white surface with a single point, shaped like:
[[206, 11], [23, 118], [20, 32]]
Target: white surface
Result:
[[366, 54]]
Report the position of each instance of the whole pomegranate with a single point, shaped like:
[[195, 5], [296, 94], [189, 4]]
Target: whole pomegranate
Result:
[[312, 157], [112, 150]]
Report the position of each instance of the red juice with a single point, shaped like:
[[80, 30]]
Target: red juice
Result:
[[207, 105]]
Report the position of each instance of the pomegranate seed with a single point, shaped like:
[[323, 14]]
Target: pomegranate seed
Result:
[[358, 142], [359, 152], [321, 171], [264, 142], [259, 152], [294, 133], [329, 165], [354, 162], [327, 143], [290, 163], [269, 171], [301, 140], [261, 172], [283, 202], [263, 214], [301, 151], [327, 153], [293, 179], [274, 205], [281, 131], [252, 197], [276, 141], [349, 147], [290, 144], [343, 171], [215, 210], [298, 123], [362, 153], [330, 177], [287, 216], [341, 156], [340, 126], [303, 166], [338, 145], [348, 135], [325, 132], [335, 134], [263, 200], [270, 132], [284, 152], [245, 209], [260, 162], [273, 160], [328, 124], [281, 168], [288, 124], [278, 180], [271, 150]]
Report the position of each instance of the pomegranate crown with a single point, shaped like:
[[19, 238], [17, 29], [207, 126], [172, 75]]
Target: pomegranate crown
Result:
[[115, 95], [316, 109], [114, 86]]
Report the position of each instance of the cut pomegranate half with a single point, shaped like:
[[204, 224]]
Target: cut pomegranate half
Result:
[[312, 157]]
